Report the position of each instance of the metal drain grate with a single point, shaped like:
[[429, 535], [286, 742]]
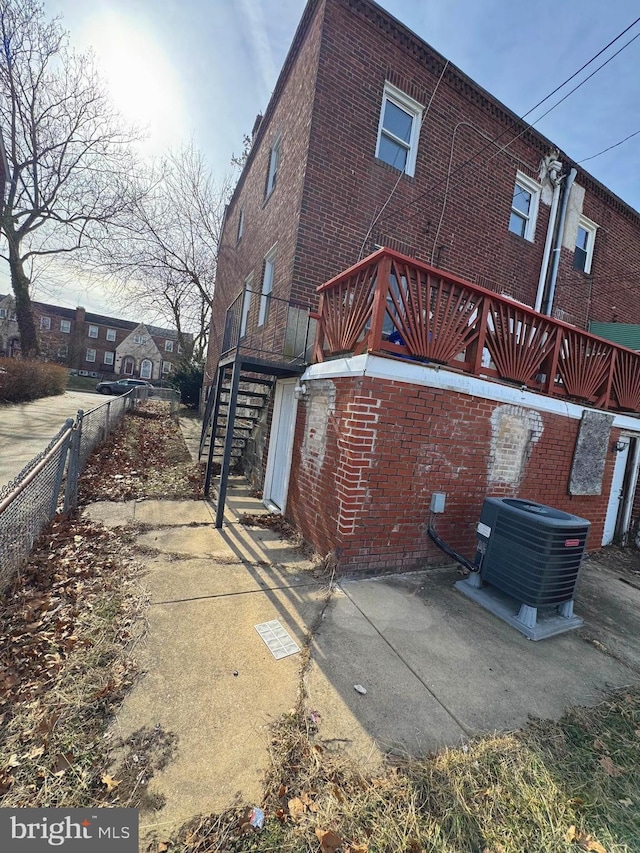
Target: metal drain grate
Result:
[[279, 643]]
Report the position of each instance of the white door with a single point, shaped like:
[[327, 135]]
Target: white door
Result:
[[276, 481], [616, 494]]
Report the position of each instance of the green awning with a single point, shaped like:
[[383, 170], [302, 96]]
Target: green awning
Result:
[[626, 334]]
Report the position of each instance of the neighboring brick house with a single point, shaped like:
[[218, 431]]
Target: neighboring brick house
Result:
[[490, 268], [95, 345]]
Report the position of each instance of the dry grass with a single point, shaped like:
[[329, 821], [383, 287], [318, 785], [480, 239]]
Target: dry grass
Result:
[[555, 787], [145, 457]]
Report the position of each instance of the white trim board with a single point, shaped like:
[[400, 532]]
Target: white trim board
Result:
[[435, 376]]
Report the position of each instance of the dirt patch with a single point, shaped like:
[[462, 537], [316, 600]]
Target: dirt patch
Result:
[[144, 457], [621, 560]]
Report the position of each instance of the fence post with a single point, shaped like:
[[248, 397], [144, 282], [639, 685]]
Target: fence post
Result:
[[57, 482], [73, 469], [106, 420]]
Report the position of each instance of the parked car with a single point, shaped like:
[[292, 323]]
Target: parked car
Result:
[[121, 386]]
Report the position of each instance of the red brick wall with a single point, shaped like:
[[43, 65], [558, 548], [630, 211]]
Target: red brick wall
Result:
[[362, 477]]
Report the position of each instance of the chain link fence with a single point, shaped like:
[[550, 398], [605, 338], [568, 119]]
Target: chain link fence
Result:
[[31, 499]]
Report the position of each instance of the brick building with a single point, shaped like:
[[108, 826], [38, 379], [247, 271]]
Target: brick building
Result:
[[95, 345], [450, 302]]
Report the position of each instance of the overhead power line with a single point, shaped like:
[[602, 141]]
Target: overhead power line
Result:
[[604, 150], [489, 144]]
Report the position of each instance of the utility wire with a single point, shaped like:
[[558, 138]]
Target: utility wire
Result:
[[469, 160], [604, 150]]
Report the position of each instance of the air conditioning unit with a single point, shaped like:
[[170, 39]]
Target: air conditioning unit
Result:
[[530, 557]]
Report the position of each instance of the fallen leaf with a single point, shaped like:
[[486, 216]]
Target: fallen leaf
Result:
[[337, 793], [626, 802], [162, 847], [36, 752], [282, 790], [13, 761], [358, 848], [111, 783], [584, 841], [296, 808], [609, 767], [329, 841]]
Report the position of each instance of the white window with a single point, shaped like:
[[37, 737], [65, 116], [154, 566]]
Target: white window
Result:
[[145, 369], [91, 355], [111, 334], [585, 241], [240, 225], [267, 286], [399, 130], [13, 316], [63, 351], [246, 305], [524, 207], [168, 346], [274, 163], [65, 326], [93, 331], [45, 322], [179, 348], [3, 313], [108, 358], [167, 367], [139, 339]]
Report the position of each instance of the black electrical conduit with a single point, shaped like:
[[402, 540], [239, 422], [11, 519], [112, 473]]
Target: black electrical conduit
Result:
[[472, 567]]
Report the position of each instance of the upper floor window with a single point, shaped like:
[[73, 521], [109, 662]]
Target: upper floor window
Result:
[[93, 331], [3, 313], [246, 305], [274, 163], [139, 339], [241, 223], [267, 285], [167, 367], [585, 240], [524, 207], [399, 130], [45, 322], [111, 334], [13, 315], [168, 346], [65, 326]]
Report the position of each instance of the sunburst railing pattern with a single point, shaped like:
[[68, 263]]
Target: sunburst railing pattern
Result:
[[393, 305]]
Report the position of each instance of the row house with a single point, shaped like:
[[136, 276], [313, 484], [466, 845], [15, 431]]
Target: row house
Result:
[[416, 293], [95, 345]]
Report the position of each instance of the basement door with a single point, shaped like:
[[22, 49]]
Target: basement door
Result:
[[623, 487], [276, 480]]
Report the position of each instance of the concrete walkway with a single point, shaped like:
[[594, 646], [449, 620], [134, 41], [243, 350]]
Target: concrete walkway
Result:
[[27, 428], [436, 667]]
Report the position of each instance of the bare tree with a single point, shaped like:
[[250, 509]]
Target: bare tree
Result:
[[166, 263], [65, 156]]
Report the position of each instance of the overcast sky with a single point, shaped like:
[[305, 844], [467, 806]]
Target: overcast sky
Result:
[[203, 69]]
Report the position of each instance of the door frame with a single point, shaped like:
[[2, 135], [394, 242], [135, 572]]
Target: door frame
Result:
[[275, 423]]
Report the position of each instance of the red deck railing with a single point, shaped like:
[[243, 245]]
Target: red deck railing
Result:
[[392, 305]]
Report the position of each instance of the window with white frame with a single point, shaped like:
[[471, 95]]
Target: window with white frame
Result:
[[399, 130], [524, 207], [145, 369], [3, 313], [63, 351], [65, 326], [45, 322], [13, 316], [274, 163], [167, 367], [179, 348], [91, 355], [246, 305], [139, 339], [168, 346], [585, 241], [267, 286], [93, 331], [108, 357], [240, 225], [111, 334]]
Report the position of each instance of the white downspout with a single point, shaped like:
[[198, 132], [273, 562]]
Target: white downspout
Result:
[[548, 243]]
